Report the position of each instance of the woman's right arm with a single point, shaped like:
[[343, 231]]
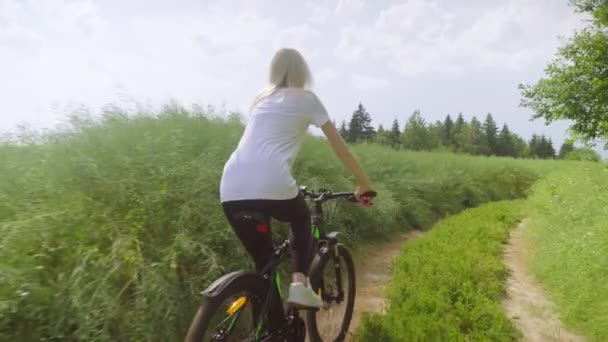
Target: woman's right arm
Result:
[[343, 152]]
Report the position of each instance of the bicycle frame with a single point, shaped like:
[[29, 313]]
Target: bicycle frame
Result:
[[329, 241], [270, 273]]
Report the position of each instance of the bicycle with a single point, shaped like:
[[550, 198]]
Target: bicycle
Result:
[[263, 291]]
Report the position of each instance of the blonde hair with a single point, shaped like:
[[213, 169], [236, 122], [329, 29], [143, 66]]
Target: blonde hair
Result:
[[288, 69]]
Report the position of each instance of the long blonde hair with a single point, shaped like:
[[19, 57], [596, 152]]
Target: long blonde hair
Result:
[[288, 69]]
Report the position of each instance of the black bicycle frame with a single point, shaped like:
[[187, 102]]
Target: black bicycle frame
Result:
[[273, 299], [273, 296], [320, 234]]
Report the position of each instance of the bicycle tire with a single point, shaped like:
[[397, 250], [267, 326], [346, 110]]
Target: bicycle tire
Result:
[[316, 274], [254, 290]]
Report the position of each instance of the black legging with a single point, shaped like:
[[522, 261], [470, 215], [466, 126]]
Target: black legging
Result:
[[259, 243]]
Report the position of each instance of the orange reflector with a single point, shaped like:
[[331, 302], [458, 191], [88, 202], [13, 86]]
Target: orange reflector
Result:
[[236, 305]]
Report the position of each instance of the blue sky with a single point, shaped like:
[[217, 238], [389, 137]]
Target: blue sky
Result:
[[437, 56]]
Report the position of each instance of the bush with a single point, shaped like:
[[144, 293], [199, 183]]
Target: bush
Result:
[[584, 153]]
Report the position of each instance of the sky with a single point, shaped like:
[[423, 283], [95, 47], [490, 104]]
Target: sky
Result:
[[438, 56]]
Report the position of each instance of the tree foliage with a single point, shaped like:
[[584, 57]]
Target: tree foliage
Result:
[[575, 86], [459, 135], [360, 126]]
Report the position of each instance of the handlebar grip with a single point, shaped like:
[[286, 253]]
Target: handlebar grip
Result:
[[365, 195], [371, 194]]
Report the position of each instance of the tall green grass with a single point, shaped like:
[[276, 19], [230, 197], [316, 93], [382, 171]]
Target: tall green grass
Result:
[[568, 235], [110, 228], [447, 285]]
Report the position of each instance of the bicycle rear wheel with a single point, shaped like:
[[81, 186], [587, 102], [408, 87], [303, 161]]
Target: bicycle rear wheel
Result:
[[333, 276], [230, 315]]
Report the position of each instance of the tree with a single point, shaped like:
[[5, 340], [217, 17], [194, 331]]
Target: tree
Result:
[[490, 130], [395, 134], [549, 149], [534, 146], [360, 126], [575, 86], [447, 138], [567, 147], [505, 146], [477, 138], [435, 133], [520, 146], [541, 147], [415, 134], [461, 135], [343, 131], [383, 136]]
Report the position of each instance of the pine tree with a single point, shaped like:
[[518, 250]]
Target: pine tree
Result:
[[461, 135], [356, 125], [567, 146], [343, 131], [505, 143], [447, 138], [541, 147], [360, 126], [550, 150], [519, 146], [534, 146], [490, 130], [395, 134]]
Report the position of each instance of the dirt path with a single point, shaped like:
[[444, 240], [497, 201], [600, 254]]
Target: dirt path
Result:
[[526, 303], [373, 266]]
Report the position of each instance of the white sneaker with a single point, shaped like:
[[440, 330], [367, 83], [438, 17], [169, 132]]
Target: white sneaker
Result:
[[303, 296]]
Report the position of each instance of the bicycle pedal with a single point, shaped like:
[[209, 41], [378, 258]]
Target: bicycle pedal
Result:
[[302, 307]]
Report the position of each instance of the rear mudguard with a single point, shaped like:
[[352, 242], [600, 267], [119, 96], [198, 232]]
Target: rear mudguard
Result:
[[258, 283], [332, 237]]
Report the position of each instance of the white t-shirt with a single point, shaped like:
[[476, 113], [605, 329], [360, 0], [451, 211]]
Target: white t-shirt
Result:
[[260, 167]]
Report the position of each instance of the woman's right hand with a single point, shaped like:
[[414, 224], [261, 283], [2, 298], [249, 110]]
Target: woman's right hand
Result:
[[366, 201]]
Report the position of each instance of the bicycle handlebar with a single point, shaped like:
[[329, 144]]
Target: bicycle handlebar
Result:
[[327, 195]]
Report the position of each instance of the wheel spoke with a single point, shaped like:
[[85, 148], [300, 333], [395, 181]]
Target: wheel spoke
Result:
[[332, 320]]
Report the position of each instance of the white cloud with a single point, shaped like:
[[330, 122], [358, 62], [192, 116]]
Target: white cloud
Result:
[[421, 36], [365, 82], [301, 37], [349, 8], [325, 75]]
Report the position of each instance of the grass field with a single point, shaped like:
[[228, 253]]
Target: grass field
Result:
[[447, 285], [110, 228], [568, 235]]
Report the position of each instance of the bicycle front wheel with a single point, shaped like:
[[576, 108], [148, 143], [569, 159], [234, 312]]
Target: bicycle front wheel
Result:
[[332, 275]]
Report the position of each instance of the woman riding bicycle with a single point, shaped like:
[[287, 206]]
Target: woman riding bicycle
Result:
[[258, 178]]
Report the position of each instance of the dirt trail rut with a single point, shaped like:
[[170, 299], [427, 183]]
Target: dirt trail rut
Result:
[[526, 303], [373, 268]]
